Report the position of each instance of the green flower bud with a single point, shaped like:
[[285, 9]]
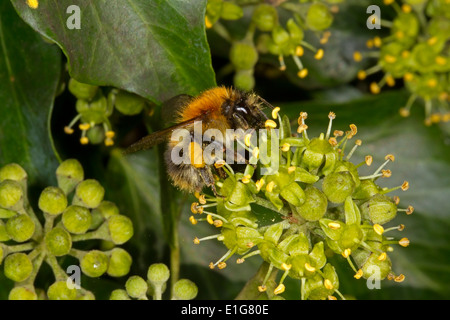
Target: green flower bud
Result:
[[280, 36], [297, 34], [129, 103], [243, 56], [4, 236], [351, 237], [89, 193], [96, 134], [293, 194], [380, 209], [318, 17], [82, 90], [69, 174], [119, 263], [319, 152], [107, 209], [52, 201], [119, 294], [375, 268], [315, 204], [231, 11], [20, 228], [338, 186], [315, 287], [158, 273], [97, 219], [18, 267], [87, 296], [13, 171], [58, 241], [60, 291], [120, 229], [94, 263], [22, 293], [365, 190], [6, 214], [76, 219], [136, 287], [11, 195], [184, 289], [95, 111], [265, 17], [244, 80]]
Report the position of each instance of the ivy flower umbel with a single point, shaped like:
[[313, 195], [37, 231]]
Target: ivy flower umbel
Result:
[[266, 34], [317, 202], [415, 52], [73, 211]]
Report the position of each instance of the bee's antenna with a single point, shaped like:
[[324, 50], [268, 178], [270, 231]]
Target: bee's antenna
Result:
[[266, 103]]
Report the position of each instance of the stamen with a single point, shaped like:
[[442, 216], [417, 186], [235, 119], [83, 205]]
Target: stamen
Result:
[[378, 228], [368, 160], [285, 147], [331, 116], [359, 274], [275, 112], [328, 284], [270, 124], [282, 64], [404, 242]]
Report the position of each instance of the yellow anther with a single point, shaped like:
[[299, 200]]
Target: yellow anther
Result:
[[302, 128], [68, 130], [270, 124], [405, 54], [390, 81], [441, 60], [291, 169], [285, 147], [377, 42], [333, 141], [280, 289], [209, 219], [247, 139], [358, 142], [361, 75], [270, 186], [255, 152], [250, 244], [218, 223], [390, 58], [354, 129], [396, 199], [406, 8], [358, 274], [357, 56], [208, 23], [386, 173], [399, 278], [332, 298], [110, 134], [338, 133], [409, 210], [401, 227], [84, 140], [408, 76], [331, 115], [219, 163], [405, 186], [275, 112], [262, 288], [309, 267], [193, 220], [432, 83], [346, 253], [211, 265], [388, 2], [302, 73], [304, 115], [375, 88], [285, 266], [222, 265], [382, 256], [368, 159], [33, 4], [369, 43], [240, 260], [328, 284], [196, 240], [432, 41], [109, 142], [202, 199], [390, 157], [299, 51], [400, 34], [259, 184], [319, 54], [194, 207], [378, 228], [84, 126], [334, 225], [404, 242], [404, 112], [246, 178]]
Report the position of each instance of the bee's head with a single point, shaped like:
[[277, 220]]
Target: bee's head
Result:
[[245, 112]]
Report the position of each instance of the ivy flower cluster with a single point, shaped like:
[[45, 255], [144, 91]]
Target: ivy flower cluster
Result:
[[74, 211], [94, 107], [319, 203], [267, 34], [417, 53]]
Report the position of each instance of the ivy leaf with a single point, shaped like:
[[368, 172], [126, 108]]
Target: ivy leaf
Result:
[[29, 76], [156, 49]]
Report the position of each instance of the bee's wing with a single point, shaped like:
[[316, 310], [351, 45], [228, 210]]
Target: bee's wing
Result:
[[171, 108], [159, 136]]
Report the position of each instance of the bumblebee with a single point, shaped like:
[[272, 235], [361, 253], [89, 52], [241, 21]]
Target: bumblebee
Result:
[[218, 108]]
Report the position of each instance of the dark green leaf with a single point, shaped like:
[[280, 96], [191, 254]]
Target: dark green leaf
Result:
[[29, 75], [156, 49]]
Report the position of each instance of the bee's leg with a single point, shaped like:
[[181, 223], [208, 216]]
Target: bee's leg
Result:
[[208, 178]]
